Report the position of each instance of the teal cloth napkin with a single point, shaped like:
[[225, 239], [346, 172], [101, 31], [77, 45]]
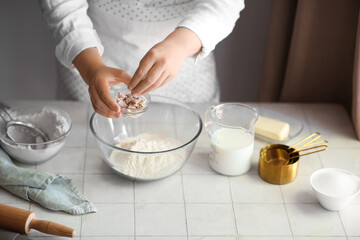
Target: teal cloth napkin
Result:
[[52, 191]]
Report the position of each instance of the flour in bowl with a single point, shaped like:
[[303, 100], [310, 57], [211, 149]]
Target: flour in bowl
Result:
[[49, 121], [148, 165]]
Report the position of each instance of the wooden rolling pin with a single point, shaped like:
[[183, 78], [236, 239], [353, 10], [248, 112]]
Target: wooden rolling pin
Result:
[[22, 221]]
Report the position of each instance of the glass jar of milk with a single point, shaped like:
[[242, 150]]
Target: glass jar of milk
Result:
[[230, 127]]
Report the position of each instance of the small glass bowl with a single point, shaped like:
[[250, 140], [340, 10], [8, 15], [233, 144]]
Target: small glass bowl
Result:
[[132, 112]]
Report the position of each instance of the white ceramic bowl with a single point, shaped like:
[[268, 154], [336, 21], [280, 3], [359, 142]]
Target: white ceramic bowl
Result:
[[36, 152], [334, 187]]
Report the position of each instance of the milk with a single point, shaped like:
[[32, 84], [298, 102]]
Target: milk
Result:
[[231, 151]]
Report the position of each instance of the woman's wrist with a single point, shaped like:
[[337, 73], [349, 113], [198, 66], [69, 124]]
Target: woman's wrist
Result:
[[186, 40], [87, 63]]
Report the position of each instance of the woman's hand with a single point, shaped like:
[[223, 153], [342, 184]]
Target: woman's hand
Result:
[[99, 90], [100, 78], [163, 61]]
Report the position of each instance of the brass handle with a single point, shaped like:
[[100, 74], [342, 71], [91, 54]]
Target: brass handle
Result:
[[323, 147], [312, 138]]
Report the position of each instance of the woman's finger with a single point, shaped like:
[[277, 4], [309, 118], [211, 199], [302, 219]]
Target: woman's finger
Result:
[[103, 91], [120, 76], [145, 65], [156, 85], [100, 107], [153, 76], [166, 81]]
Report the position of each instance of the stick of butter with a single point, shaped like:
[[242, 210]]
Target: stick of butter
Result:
[[272, 128]]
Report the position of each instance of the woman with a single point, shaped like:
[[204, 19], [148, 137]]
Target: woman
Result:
[[163, 46]]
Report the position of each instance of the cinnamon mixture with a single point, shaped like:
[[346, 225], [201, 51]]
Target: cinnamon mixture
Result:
[[129, 101]]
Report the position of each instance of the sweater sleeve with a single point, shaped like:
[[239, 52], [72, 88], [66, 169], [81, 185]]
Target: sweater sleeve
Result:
[[70, 27], [212, 21]]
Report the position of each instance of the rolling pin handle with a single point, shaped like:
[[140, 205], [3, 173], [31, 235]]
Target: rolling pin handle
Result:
[[52, 228]]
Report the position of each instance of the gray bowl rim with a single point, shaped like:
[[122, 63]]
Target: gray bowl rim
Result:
[[150, 153], [9, 141]]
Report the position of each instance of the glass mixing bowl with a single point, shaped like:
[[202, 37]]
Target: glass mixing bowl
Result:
[[153, 146], [35, 153]]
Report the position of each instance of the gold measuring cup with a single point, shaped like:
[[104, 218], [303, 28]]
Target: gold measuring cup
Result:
[[278, 163]]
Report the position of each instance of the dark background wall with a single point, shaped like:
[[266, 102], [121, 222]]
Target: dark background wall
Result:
[[27, 61]]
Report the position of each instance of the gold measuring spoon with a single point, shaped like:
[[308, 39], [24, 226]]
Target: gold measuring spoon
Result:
[[322, 145]]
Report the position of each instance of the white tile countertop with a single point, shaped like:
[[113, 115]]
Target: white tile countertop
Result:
[[197, 203]]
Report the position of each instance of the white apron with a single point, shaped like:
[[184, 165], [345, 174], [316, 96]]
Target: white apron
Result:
[[128, 29]]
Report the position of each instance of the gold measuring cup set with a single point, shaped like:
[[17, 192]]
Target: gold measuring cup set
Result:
[[278, 163]]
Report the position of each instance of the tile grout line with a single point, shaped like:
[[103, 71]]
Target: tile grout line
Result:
[[182, 185], [198, 203], [343, 225], [134, 210], [287, 214], [184, 204], [233, 207], [85, 156], [196, 236]]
